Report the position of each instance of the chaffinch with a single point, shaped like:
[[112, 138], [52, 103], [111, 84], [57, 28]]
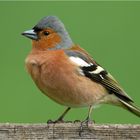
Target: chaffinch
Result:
[[67, 74]]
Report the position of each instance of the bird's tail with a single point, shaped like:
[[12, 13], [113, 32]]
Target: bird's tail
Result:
[[129, 106]]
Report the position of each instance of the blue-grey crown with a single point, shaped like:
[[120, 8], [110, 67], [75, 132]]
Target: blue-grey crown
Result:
[[51, 22], [55, 23]]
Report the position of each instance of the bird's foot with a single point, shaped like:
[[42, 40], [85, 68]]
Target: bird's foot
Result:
[[56, 121], [87, 122], [77, 121], [59, 120]]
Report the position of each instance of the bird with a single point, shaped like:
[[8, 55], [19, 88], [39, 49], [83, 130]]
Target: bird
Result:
[[68, 74]]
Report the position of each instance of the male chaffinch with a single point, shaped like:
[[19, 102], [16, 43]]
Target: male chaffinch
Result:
[[67, 74]]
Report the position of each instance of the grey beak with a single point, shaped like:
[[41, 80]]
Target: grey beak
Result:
[[31, 34]]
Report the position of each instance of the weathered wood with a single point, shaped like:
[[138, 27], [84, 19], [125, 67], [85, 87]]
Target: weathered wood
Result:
[[68, 131]]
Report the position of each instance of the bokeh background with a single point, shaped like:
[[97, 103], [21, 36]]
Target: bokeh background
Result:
[[109, 31]]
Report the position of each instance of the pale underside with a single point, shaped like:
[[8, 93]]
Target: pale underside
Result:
[[71, 88]]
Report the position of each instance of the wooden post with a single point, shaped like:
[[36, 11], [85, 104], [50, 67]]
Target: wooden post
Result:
[[10, 131]]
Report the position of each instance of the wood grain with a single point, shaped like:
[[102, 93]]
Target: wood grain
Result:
[[46, 131]]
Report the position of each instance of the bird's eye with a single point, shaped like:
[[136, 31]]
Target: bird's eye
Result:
[[46, 33]]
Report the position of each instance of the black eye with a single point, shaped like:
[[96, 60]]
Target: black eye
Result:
[[46, 33]]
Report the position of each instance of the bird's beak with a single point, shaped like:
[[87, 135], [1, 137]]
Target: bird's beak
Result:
[[31, 34]]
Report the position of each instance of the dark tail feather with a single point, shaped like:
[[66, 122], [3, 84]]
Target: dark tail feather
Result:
[[129, 106]]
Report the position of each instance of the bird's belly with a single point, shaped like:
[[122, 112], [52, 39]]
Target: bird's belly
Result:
[[78, 99], [73, 91], [65, 86]]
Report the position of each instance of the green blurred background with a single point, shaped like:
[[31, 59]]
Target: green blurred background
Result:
[[110, 31]]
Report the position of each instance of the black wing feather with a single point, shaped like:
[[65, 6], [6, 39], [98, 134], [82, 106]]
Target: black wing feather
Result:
[[103, 77]]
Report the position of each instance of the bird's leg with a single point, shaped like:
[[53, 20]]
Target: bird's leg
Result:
[[87, 120], [60, 119]]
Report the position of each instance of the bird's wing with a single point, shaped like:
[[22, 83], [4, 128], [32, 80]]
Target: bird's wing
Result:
[[95, 72]]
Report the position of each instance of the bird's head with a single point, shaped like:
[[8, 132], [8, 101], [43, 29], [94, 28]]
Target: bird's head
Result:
[[49, 33]]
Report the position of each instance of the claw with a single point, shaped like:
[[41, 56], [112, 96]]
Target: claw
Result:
[[87, 121], [77, 121], [60, 119], [50, 121], [56, 121]]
